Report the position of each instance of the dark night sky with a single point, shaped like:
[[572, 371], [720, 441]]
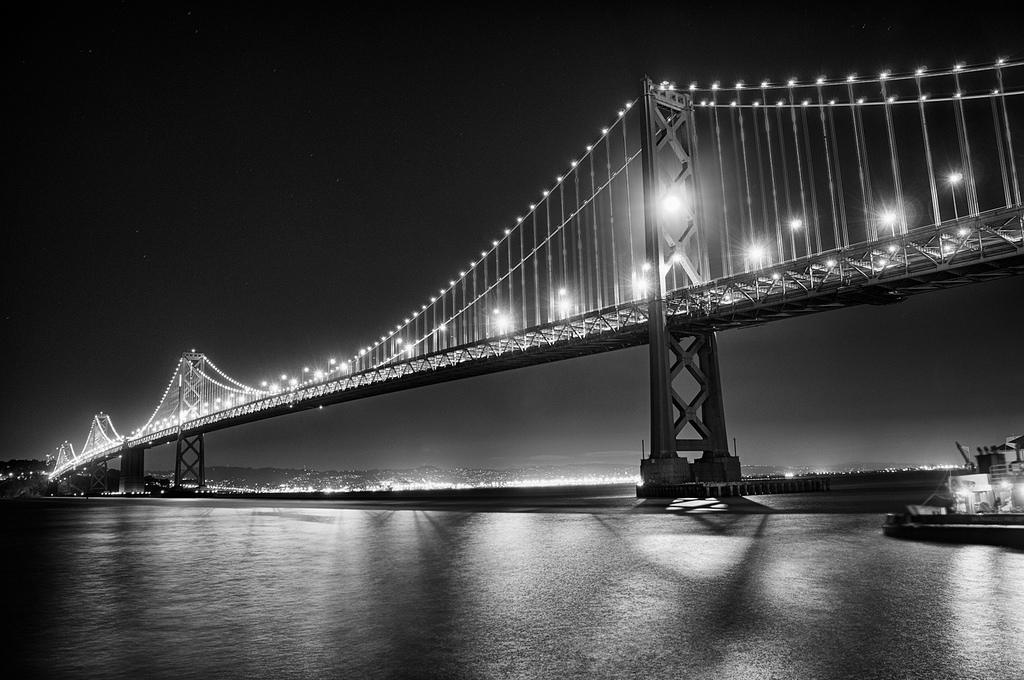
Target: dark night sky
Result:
[[275, 187]]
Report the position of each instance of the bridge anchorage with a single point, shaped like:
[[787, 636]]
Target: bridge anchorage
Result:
[[694, 212]]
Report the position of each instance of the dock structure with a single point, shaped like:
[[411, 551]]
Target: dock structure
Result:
[[744, 487]]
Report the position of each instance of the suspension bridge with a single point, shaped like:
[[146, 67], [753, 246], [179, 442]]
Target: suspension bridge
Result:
[[698, 209]]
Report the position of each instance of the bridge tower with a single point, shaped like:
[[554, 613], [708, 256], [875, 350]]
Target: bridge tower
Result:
[[65, 454], [189, 459], [674, 233]]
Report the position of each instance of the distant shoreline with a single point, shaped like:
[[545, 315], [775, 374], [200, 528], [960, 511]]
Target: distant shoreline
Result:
[[871, 492]]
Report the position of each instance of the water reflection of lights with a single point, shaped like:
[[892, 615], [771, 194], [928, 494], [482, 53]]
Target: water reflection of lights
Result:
[[400, 485], [694, 554], [697, 505], [982, 583]]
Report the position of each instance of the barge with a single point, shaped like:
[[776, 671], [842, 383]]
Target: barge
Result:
[[986, 504], [995, 528]]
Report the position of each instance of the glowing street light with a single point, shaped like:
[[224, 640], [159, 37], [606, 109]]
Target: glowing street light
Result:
[[796, 223], [672, 203], [563, 303], [502, 322], [756, 253], [640, 283], [954, 179], [889, 220]]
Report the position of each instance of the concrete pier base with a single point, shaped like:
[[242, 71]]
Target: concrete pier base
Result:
[[133, 471], [665, 471]]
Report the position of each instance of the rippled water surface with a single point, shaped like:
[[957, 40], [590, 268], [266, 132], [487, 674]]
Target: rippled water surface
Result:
[[528, 587]]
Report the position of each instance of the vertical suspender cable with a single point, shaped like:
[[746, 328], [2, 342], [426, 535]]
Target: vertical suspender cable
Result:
[[810, 180], [581, 282], [894, 159], [465, 325], [735, 173], [1004, 176], [863, 167], [928, 152], [771, 173], [760, 169], [447, 336], [697, 194], [548, 247], [522, 273], [598, 279], [785, 177], [997, 126], [562, 231], [724, 241], [800, 176], [510, 275], [746, 169], [839, 177], [965, 145], [537, 273], [828, 166], [1009, 139], [498, 278], [629, 204], [611, 220]]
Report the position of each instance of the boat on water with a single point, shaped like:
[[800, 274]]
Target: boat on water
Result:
[[995, 528], [984, 503]]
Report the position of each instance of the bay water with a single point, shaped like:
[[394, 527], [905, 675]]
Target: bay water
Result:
[[589, 583]]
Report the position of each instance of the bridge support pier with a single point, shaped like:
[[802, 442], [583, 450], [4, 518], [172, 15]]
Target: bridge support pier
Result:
[[133, 471], [190, 461], [86, 481], [98, 478], [672, 415]]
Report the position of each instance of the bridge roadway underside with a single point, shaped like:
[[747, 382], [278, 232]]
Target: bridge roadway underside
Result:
[[883, 291], [570, 349], [887, 288]]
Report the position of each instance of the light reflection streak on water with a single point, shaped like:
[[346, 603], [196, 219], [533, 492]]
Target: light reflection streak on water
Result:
[[982, 587]]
